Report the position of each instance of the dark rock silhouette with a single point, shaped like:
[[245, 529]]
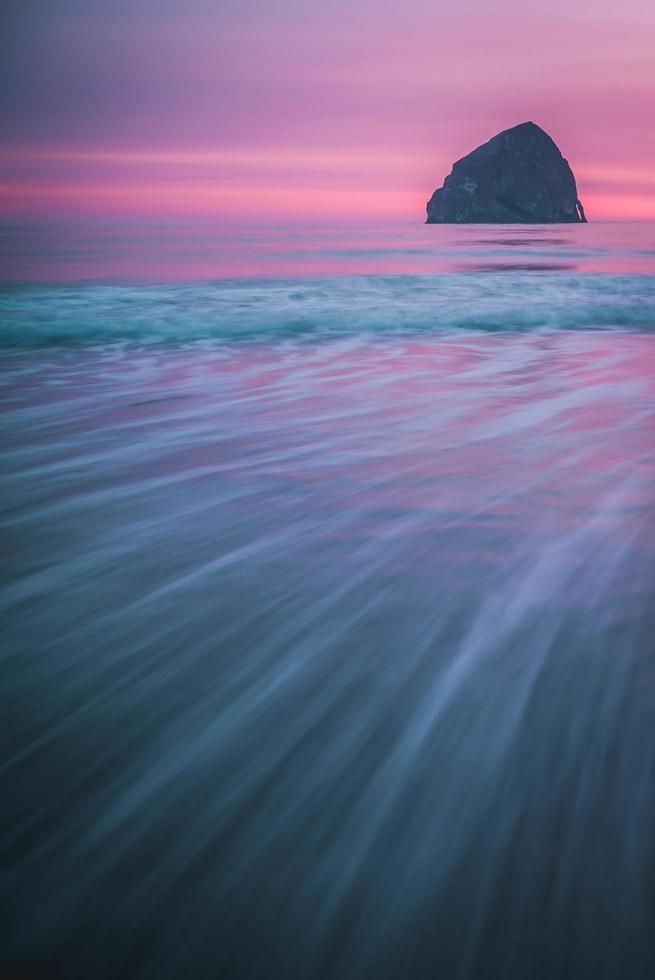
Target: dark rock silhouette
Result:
[[519, 176]]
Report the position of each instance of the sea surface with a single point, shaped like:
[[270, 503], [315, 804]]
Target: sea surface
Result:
[[328, 602]]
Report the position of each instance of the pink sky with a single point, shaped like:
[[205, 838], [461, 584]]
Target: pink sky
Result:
[[300, 110]]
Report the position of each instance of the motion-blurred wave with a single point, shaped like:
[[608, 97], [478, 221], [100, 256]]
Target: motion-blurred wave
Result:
[[329, 659], [262, 309]]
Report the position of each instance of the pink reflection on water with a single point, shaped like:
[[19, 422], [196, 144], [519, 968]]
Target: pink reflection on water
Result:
[[205, 251], [472, 444], [528, 431]]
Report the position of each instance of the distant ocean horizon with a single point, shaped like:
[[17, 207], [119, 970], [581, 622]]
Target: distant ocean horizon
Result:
[[166, 250]]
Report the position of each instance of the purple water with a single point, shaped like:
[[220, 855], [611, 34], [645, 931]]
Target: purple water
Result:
[[205, 250], [328, 603]]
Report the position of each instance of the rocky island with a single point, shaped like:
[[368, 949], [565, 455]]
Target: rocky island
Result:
[[519, 176]]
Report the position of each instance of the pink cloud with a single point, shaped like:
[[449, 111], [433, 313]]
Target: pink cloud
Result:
[[349, 109]]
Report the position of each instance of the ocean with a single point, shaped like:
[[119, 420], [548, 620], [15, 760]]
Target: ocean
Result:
[[328, 602]]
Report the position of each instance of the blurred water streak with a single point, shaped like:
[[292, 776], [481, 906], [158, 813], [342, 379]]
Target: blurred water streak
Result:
[[331, 658]]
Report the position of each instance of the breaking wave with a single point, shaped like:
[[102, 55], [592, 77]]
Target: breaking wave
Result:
[[279, 309]]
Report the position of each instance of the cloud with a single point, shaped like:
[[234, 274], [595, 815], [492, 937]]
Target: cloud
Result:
[[353, 95]]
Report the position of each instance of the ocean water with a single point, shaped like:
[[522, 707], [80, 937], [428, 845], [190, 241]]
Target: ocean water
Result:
[[328, 603]]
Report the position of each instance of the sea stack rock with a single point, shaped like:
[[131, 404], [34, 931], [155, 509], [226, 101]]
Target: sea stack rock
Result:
[[519, 176]]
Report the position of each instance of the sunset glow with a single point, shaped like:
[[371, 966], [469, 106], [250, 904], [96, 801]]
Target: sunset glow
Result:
[[267, 110]]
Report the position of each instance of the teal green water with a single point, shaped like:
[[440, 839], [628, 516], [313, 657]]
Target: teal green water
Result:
[[323, 308], [327, 612]]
